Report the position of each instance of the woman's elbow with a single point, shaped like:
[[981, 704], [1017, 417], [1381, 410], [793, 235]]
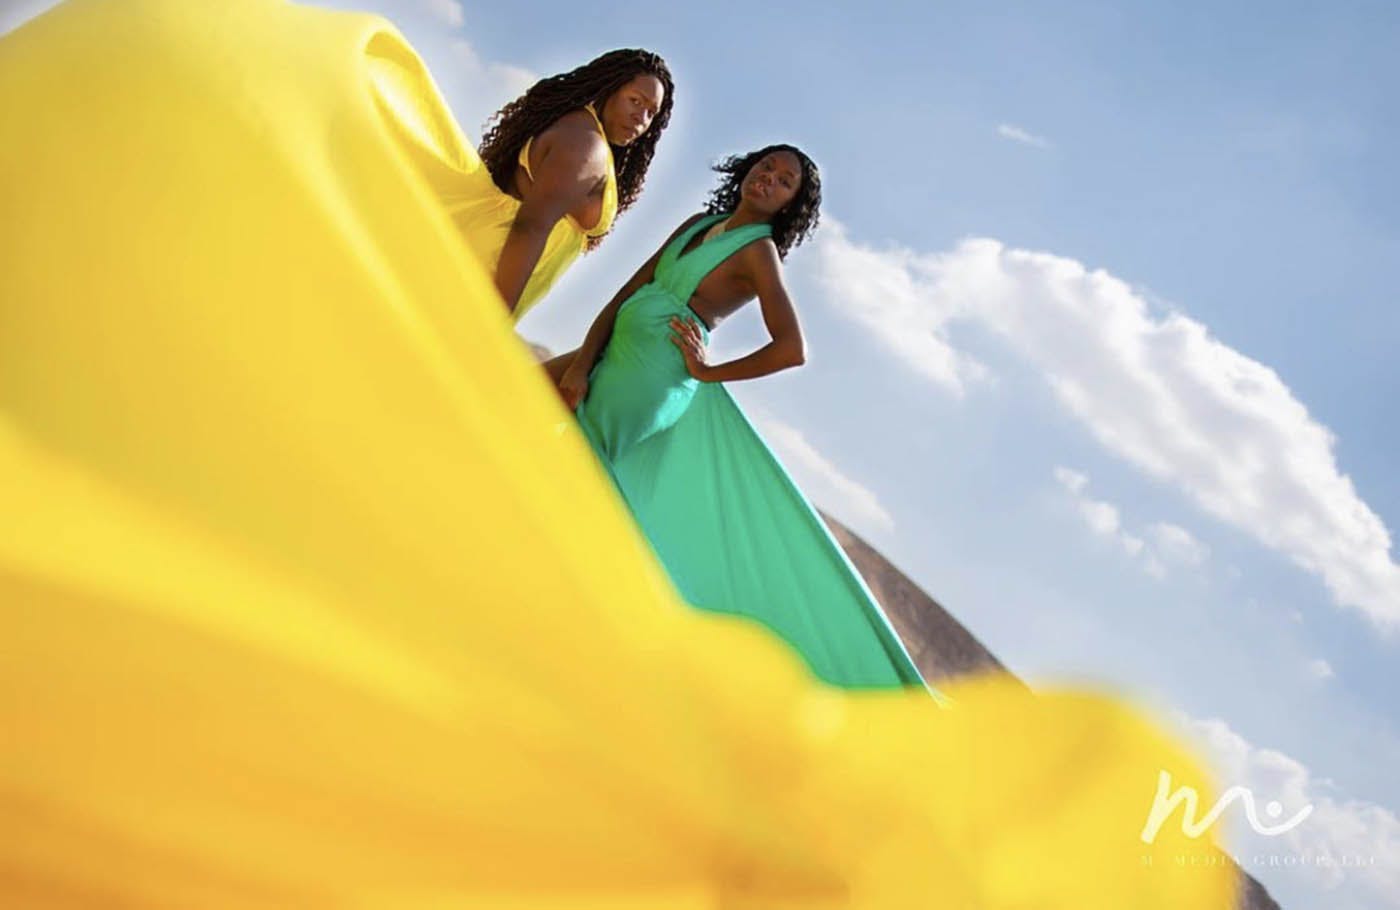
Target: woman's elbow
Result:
[[795, 353]]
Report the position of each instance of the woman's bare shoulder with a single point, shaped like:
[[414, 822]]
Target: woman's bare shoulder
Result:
[[761, 258], [574, 136]]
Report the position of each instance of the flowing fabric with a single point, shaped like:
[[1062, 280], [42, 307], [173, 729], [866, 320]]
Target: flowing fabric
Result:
[[305, 604], [734, 532]]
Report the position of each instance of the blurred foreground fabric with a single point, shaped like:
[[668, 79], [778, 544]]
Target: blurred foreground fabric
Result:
[[304, 602]]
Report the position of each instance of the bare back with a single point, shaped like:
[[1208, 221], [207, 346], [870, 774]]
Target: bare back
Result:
[[733, 283]]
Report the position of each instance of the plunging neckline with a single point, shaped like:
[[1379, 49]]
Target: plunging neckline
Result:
[[705, 240], [699, 228], [676, 273]]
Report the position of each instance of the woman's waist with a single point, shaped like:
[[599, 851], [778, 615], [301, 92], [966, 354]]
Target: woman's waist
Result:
[[657, 302], [643, 333]]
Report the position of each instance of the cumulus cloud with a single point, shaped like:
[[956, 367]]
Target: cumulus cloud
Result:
[[1071, 480], [486, 85], [1320, 669], [1101, 516], [449, 12], [884, 291], [1162, 545], [1177, 545], [1016, 134], [1351, 847], [823, 481], [1155, 389]]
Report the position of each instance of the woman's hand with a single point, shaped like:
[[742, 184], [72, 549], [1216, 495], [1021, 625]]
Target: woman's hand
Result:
[[573, 387], [685, 334]]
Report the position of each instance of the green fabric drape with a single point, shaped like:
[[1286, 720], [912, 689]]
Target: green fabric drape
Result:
[[735, 533]]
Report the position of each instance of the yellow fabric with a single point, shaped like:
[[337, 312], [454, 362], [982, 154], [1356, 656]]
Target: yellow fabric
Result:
[[449, 163], [304, 603], [484, 214]]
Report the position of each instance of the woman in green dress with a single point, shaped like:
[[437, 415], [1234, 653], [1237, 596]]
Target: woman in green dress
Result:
[[732, 529]]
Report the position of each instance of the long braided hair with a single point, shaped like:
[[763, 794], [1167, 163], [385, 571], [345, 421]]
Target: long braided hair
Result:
[[551, 98], [796, 221]]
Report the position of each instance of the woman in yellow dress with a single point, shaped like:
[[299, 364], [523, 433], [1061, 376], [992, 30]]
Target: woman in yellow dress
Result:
[[557, 166]]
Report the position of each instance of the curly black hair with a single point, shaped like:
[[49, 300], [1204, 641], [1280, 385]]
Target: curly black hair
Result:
[[796, 221], [551, 98]]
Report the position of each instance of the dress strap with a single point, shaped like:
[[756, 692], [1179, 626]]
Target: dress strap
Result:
[[609, 210], [523, 159]]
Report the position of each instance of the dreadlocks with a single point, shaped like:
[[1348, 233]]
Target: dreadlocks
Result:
[[549, 99], [796, 221]]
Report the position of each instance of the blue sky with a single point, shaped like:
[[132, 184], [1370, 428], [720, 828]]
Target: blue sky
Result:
[[1101, 330]]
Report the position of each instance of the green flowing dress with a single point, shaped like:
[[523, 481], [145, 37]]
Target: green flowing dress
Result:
[[734, 532]]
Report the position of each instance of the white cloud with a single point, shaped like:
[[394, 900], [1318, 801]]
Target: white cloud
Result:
[[449, 12], [1070, 479], [883, 291], [823, 481], [1177, 545], [1169, 544], [1102, 517], [1016, 134], [1352, 846], [487, 85], [1320, 669], [1154, 389]]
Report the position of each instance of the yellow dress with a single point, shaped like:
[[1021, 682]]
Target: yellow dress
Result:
[[451, 166], [305, 604], [484, 214]]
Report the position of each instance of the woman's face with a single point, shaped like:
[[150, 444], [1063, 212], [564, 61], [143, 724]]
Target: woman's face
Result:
[[628, 112], [772, 182]]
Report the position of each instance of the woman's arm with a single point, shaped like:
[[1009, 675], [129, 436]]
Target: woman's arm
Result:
[[572, 161], [787, 347], [601, 330]]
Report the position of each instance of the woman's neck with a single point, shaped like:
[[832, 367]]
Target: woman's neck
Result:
[[743, 215]]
